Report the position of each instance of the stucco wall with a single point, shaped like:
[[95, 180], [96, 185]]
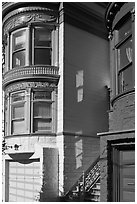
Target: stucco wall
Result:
[[86, 73]]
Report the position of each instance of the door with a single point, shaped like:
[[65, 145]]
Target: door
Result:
[[127, 176], [24, 181], [123, 161]]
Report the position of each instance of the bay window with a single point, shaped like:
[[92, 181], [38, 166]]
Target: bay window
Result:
[[42, 111], [31, 111], [123, 48], [18, 113], [33, 45]]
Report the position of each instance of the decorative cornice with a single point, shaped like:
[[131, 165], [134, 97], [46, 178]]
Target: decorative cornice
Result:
[[11, 6], [25, 85], [27, 15], [49, 73], [112, 10]]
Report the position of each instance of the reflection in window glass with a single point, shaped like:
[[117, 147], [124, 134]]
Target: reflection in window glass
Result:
[[19, 58], [42, 37], [125, 53], [18, 112], [19, 40], [42, 109], [18, 97], [42, 56], [125, 30], [18, 127], [42, 125], [125, 79]]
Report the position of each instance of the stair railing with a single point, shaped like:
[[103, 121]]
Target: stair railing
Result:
[[86, 181]]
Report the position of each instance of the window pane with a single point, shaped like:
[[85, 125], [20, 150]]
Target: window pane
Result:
[[18, 126], [42, 37], [42, 95], [125, 80], [19, 58], [42, 56], [18, 97], [42, 110], [18, 112], [125, 53], [19, 40], [42, 125], [125, 29]]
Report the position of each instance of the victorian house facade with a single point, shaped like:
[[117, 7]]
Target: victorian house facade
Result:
[[68, 92]]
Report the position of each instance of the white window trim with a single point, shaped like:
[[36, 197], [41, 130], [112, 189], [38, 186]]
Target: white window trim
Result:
[[26, 47], [13, 104], [32, 114]]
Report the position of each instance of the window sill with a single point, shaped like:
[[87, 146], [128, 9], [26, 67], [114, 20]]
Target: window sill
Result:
[[48, 133]]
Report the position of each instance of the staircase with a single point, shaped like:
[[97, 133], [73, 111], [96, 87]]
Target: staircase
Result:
[[87, 188]]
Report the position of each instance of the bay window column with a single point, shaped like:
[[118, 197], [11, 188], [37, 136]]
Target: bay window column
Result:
[[28, 110], [28, 46], [133, 44]]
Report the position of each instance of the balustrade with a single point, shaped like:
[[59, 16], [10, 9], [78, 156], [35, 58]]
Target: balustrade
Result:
[[29, 72]]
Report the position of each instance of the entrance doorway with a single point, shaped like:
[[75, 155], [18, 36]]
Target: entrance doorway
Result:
[[123, 162]]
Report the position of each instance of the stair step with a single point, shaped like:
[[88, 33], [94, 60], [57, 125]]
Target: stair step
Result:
[[95, 194], [96, 188], [95, 200], [91, 190]]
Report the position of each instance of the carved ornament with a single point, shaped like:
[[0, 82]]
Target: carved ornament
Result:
[[26, 85], [27, 17]]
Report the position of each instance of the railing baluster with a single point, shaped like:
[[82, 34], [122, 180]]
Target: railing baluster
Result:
[[29, 70], [90, 177]]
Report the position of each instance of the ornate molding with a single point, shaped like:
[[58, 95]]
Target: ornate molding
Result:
[[35, 9], [49, 73], [26, 85], [27, 17], [111, 12]]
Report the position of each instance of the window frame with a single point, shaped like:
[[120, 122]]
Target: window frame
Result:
[[120, 88], [35, 47], [12, 106], [29, 48], [26, 49], [48, 119]]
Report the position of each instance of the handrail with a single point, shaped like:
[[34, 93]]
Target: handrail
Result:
[[85, 182]]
